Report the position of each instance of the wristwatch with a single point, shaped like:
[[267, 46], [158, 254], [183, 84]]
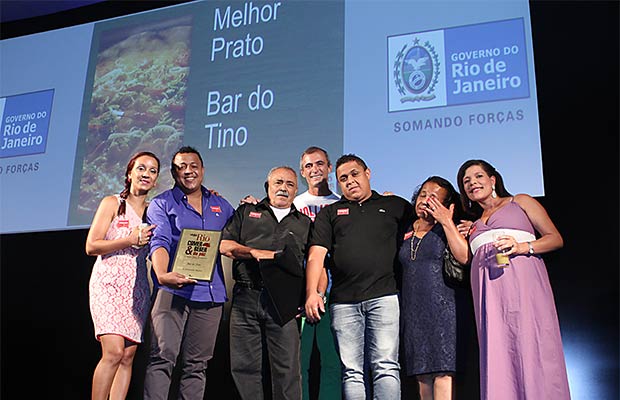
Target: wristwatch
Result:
[[322, 295], [531, 251]]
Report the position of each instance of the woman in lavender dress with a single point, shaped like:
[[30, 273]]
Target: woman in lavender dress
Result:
[[521, 355]]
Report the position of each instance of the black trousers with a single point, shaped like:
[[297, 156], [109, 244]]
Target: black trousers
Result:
[[252, 326]]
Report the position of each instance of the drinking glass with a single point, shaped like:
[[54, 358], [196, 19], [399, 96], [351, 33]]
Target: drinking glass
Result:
[[502, 259]]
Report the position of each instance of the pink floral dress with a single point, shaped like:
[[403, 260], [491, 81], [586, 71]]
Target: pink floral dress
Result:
[[119, 289]]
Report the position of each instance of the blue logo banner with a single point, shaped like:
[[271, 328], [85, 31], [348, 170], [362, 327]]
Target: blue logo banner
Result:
[[25, 123], [461, 65]]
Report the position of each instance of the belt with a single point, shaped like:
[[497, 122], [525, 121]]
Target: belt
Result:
[[487, 237], [250, 285]]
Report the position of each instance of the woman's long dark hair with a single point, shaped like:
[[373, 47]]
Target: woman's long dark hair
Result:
[[471, 207], [122, 208]]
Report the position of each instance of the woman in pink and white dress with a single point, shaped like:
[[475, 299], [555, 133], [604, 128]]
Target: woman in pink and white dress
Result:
[[119, 291], [521, 355]]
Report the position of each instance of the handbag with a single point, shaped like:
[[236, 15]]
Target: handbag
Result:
[[454, 273]]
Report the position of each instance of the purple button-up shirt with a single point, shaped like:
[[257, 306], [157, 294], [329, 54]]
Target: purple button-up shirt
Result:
[[171, 212]]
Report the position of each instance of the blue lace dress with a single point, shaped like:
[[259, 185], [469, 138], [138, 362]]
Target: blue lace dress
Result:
[[428, 309]]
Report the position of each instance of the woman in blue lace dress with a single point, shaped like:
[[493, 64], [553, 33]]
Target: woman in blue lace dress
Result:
[[429, 311]]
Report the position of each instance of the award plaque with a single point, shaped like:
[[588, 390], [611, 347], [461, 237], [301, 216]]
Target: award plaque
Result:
[[196, 253]]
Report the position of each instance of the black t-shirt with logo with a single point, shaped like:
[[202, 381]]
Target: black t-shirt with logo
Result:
[[363, 241]]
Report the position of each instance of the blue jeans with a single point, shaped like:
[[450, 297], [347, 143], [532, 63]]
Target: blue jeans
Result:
[[368, 331]]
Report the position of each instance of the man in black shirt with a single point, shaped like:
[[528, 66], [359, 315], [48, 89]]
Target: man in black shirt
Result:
[[362, 232], [267, 242]]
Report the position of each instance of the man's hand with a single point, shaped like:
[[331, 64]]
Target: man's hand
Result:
[[315, 307], [249, 199], [174, 280], [263, 254]]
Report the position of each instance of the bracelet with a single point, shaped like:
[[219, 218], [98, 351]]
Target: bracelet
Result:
[[322, 296]]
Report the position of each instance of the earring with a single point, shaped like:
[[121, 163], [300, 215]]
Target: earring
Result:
[[469, 203], [493, 193]]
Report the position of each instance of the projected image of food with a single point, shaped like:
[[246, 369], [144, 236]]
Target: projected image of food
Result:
[[137, 104]]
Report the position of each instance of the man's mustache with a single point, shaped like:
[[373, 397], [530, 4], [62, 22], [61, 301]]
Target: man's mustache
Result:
[[282, 193]]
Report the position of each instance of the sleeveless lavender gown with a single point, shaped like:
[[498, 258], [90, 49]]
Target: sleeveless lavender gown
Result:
[[521, 354]]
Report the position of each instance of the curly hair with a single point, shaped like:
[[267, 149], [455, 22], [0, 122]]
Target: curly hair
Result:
[[452, 196]]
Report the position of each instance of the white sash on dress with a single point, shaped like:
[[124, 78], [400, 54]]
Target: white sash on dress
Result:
[[488, 237]]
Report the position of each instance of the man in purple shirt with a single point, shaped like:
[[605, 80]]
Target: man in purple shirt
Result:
[[186, 313]]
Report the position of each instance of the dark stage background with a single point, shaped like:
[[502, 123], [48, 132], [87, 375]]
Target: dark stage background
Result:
[[48, 348]]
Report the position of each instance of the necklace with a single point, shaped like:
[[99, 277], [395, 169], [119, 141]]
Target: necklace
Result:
[[414, 250]]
